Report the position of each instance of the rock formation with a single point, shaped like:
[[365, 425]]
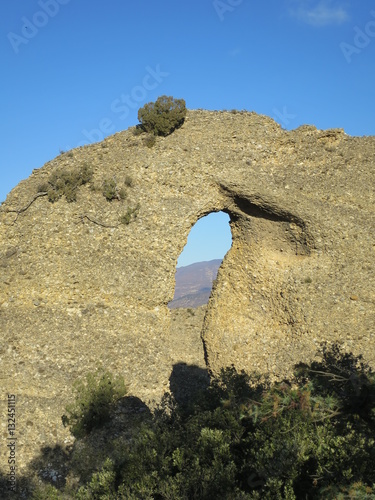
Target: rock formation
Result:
[[78, 288]]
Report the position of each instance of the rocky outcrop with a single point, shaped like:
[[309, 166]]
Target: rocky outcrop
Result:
[[79, 288]]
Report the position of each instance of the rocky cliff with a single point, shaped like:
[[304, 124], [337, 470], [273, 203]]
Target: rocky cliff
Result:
[[80, 286]]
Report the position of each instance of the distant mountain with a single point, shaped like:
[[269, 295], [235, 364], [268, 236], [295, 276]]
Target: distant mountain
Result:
[[194, 284]]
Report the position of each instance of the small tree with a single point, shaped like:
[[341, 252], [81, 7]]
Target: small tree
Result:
[[163, 116], [94, 403]]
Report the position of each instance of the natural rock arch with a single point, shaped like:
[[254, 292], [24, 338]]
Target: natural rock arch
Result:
[[75, 293], [268, 242], [209, 240]]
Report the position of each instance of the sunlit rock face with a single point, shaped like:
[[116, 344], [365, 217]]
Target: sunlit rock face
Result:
[[79, 286]]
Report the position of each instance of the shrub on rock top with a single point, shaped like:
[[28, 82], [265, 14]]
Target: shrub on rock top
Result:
[[163, 116]]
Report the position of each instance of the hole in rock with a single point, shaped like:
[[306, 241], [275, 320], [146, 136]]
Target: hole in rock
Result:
[[197, 267]]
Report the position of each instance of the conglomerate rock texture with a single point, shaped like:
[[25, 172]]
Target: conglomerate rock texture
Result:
[[79, 289]]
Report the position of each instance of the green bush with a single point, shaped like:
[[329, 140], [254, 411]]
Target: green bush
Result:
[[149, 141], [128, 181], [112, 191], [95, 400], [245, 438], [130, 214], [65, 182], [122, 193], [46, 492], [163, 116], [109, 189], [43, 188], [137, 130], [102, 484]]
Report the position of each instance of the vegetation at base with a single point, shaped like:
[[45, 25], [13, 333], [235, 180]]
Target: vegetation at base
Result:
[[311, 437], [163, 116], [95, 401], [65, 182], [47, 492]]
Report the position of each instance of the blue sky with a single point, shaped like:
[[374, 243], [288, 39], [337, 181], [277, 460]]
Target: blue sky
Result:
[[210, 238], [75, 71]]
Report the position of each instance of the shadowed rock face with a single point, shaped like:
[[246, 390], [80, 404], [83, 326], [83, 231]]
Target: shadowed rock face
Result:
[[78, 289]]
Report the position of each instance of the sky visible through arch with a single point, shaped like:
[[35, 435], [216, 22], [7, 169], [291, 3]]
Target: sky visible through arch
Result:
[[210, 238], [76, 71]]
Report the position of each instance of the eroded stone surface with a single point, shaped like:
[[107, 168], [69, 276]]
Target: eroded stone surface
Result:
[[75, 294]]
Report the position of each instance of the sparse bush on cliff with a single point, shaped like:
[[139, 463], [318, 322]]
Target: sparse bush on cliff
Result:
[[149, 141], [112, 191], [43, 187], [163, 116], [109, 189], [65, 182], [130, 214], [137, 130], [128, 181], [95, 399]]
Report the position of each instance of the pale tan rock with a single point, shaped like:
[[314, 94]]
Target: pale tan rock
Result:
[[75, 294]]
